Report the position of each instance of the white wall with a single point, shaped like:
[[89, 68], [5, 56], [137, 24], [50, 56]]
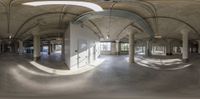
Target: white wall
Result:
[[81, 46]]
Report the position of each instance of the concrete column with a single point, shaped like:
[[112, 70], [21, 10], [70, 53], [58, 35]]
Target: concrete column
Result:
[[198, 46], [36, 47], [52, 48], [169, 47], [113, 48], [185, 45], [153, 49], [49, 48], [63, 50], [3, 47], [15, 47], [21, 48], [117, 47], [147, 48], [131, 47], [0, 46], [142, 47]]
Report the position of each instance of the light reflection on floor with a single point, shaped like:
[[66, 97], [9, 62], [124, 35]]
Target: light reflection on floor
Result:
[[158, 63], [51, 85], [67, 72], [113, 79]]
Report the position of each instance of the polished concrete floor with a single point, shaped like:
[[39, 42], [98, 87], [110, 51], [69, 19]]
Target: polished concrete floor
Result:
[[54, 60], [113, 79]]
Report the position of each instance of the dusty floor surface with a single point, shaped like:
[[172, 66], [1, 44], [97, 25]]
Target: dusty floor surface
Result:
[[113, 79]]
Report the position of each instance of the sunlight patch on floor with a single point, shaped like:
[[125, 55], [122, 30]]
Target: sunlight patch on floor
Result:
[[67, 72], [161, 64]]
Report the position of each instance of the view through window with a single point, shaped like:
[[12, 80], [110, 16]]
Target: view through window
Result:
[[105, 46]]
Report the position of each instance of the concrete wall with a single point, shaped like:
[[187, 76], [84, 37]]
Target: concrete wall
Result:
[[81, 46]]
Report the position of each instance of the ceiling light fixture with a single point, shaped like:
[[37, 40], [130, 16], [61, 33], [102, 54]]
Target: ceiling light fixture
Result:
[[10, 37], [158, 36], [89, 5], [107, 37]]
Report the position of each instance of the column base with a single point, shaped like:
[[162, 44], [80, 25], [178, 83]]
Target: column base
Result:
[[117, 53], [185, 60], [36, 58], [148, 55], [131, 61], [169, 54]]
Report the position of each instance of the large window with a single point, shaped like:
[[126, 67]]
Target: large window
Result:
[[45, 49], [58, 47], [105, 46], [124, 46]]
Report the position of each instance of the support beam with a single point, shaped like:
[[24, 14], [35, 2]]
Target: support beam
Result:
[[113, 48], [198, 46], [148, 48], [63, 51], [0, 46], [117, 47], [52, 48], [36, 43], [169, 47], [185, 45], [131, 48], [49, 48], [21, 48], [36, 46], [3, 47]]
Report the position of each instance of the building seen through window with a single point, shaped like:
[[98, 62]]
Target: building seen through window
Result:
[[105, 46], [124, 46]]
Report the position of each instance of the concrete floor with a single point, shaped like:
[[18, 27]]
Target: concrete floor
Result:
[[54, 60], [113, 79]]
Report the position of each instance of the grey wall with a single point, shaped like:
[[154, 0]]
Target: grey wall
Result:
[[81, 46]]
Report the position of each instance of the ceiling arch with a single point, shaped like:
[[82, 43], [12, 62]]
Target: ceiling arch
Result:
[[118, 13], [178, 20], [132, 25], [39, 15]]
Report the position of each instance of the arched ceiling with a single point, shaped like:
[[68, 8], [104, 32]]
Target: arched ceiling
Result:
[[18, 20]]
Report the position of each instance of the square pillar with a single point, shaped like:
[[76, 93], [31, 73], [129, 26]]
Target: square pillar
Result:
[[117, 47], [148, 48], [49, 48], [169, 47], [36, 47], [0, 46], [20, 49], [198, 46], [131, 47], [185, 45]]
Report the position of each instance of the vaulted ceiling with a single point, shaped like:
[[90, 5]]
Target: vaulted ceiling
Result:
[[165, 17]]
